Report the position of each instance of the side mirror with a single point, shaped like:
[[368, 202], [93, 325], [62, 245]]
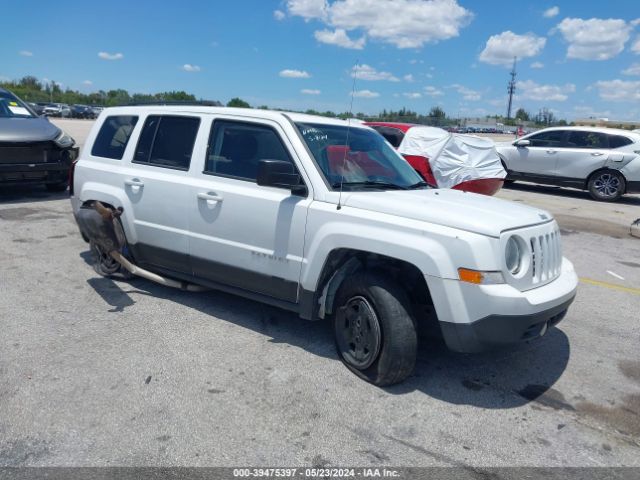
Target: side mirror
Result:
[[280, 174], [522, 143]]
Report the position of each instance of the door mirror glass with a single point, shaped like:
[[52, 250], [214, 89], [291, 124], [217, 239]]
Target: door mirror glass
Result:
[[522, 143], [280, 174]]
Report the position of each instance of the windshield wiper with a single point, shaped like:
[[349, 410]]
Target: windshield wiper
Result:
[[420, 184], [370, 184]]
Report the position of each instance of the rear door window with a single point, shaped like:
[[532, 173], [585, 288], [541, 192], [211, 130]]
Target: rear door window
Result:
[[586, 139], [113, 136], [167, 141]]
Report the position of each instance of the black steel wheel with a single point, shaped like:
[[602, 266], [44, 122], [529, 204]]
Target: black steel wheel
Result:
[[374, 330]]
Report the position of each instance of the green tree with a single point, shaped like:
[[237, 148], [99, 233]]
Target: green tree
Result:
[[437, 116], [238, 102], [522, 114]]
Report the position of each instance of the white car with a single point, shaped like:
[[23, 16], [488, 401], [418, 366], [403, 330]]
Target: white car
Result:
[[604, 161], [247, 201]]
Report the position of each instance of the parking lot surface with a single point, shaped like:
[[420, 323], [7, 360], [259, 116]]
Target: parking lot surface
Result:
[[96, 372]]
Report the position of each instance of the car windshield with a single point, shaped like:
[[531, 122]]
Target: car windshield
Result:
[[355, 158], [12, 106]]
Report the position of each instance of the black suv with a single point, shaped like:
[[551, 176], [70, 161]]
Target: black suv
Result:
[[32, 150]]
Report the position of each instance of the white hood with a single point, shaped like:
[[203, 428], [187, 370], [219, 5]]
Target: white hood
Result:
[[451, 208]]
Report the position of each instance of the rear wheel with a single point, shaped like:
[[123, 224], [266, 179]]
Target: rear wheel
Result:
[[104, 264], [606, 185], [374, 331]]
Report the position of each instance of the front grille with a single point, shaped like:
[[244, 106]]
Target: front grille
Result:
[[41, 152], [546, 258]]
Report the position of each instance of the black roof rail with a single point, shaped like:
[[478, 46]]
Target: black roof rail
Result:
[[199, 103]]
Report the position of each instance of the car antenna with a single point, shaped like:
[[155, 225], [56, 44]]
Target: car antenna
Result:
[[344, 158]]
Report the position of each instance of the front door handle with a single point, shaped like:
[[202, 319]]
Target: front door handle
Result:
[[210, 197], [597, 154], [551, 151]]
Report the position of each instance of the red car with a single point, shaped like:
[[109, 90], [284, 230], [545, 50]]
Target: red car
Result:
[[446, 160]]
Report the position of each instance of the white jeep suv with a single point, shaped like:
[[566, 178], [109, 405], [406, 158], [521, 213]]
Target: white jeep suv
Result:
[[604, 161], [320, 217]]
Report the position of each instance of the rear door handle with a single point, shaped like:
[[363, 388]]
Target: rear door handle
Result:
[[597, 154], [210, 197], [551, 151]]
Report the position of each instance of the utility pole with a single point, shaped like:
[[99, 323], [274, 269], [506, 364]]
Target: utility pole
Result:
[[512, 87]]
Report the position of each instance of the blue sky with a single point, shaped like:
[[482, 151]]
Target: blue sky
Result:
[[577, 58]]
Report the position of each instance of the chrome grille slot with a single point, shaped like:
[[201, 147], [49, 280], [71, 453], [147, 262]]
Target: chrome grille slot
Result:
[[546, 257], [543, 262]]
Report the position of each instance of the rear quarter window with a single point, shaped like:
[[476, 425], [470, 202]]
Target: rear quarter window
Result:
[[113, 136], [617, 141]]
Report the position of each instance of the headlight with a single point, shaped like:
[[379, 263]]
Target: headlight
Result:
[[64, 141], [513, 256]]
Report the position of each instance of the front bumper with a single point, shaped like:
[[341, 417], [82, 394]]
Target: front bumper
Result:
[[474, 318], [497, 331], [38, 172]]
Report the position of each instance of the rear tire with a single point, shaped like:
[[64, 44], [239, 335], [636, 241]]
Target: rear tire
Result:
[[375, 333], [606, 185], [107, 266]]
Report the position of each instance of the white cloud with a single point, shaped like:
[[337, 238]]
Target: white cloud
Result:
[[433, 91], [594, 39], [537, 65], [402, 23], [87, 82], [412, 95], [632, 70], [310, 91], [408, 78], [530, 90], [619, 90], [467, 93], [551, 12], [110, 56], [26, 53], [365, 94], [365, 72], [289, 73], [279, 15], [500, 49], [635, 48], [187, 67], [308, 9], [339, 38]]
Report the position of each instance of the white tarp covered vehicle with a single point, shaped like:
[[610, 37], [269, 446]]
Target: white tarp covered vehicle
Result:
[[456, 159], [446, 160]]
